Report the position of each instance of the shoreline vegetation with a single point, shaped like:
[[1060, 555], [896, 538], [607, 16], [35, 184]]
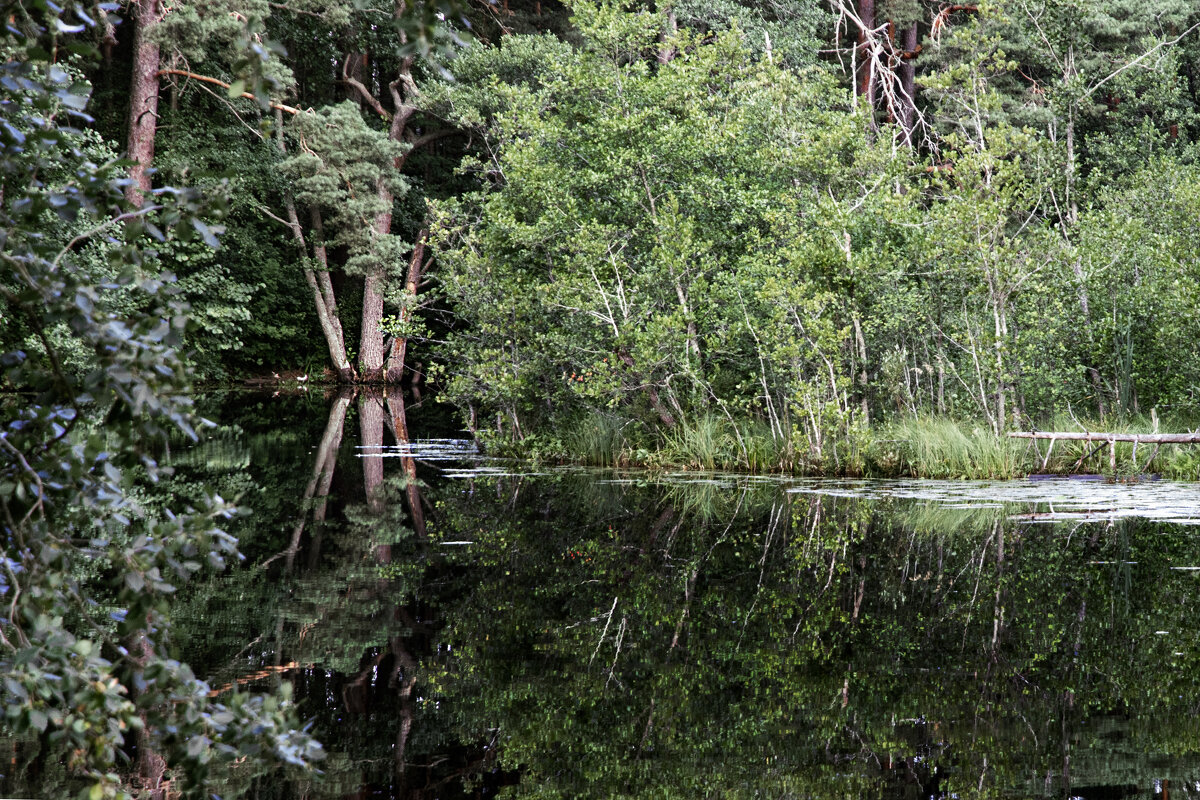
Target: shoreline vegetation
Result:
[[909, 447], [905, 446]]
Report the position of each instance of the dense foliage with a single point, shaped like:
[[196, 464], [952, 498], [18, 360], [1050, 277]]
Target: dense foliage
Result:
[[632, 221], [746, 233], [93, 385], [678, 228]]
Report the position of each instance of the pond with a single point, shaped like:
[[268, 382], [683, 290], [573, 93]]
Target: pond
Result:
[[460, 626]]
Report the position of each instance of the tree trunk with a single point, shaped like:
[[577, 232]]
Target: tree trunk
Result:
[[399, 348], [370, 340], [370, 343], [370, 350], [324, 299], [908, 85], [143, 99]]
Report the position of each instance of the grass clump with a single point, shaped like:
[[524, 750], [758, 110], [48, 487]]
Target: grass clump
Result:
[[604, 440], [705, 442], [938, 447]]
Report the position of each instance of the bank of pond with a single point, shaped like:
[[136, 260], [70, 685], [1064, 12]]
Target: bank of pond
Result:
[[456, 623], [904, 446]]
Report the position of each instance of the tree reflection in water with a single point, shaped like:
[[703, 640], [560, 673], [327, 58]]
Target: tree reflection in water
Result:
[[606, 634]]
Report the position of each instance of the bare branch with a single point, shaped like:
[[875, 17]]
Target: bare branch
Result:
[[215, 82], [362, 90], [1136, 61]]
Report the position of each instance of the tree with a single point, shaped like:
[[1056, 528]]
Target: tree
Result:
[[88, 569], [661, 239]]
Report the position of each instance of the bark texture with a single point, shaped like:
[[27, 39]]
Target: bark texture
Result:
[[143, 99]]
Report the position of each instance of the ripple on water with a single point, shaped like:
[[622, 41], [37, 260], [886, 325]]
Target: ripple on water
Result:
[[1035, 501]]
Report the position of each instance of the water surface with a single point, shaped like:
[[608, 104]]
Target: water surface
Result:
[[457, 626]]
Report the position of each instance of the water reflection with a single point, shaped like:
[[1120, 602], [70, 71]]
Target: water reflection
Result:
[[460, 627]]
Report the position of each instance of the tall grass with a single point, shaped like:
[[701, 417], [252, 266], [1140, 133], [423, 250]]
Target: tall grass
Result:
[[714, 442], [921, 446], [937, 447], [602, 440], [704, 442]]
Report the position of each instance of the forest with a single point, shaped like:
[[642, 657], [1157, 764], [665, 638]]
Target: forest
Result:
[[748, 232], [822, 237]]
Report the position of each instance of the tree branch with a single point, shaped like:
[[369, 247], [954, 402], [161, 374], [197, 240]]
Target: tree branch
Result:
[[358, 86], [215, 82], [1133, 63]]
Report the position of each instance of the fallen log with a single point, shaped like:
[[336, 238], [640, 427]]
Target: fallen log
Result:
[[1082, 436]]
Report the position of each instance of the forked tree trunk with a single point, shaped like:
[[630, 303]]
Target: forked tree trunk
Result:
[[143, 99], [318, 281]]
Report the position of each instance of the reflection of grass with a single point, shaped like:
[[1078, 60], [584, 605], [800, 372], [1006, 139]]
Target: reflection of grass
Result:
[[937, 519], [719, 500]]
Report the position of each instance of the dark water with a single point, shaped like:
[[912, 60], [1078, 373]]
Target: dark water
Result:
[[464, 627]]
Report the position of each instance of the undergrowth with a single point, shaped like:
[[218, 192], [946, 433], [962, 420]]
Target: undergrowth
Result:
[[920, 446]]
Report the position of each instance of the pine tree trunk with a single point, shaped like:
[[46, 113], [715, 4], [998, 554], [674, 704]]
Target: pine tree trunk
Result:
[[143, 99], [370, 342]]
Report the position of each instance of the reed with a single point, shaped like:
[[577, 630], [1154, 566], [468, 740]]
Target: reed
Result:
[[602, 440], [706, 442], [938, 447], [911, 446]]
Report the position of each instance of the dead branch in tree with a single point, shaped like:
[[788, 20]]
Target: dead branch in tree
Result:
[[183, 73], [942, 20]]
